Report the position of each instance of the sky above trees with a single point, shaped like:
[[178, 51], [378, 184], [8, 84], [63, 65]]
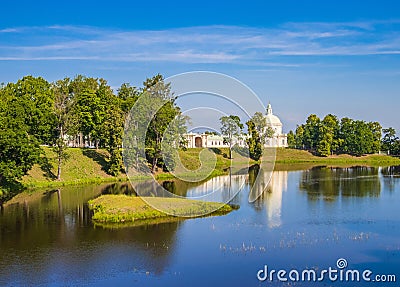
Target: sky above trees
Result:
[[341, 58]]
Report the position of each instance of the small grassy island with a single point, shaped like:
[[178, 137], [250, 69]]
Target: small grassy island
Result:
[[114, 209]]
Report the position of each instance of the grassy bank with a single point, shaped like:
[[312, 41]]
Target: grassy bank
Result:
[[294, 156], [85, 166], [126, 209]]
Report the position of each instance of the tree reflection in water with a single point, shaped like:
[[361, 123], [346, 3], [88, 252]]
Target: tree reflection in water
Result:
[[329, 183], [53, 229], [391, 177]]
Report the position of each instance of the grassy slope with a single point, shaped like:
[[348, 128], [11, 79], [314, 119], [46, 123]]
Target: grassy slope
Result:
[[88, 165], [123, 208], [293, 156], [82, 166], [190, 160]]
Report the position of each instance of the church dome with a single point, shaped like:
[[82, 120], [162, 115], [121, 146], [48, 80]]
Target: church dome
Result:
[[271, 118]]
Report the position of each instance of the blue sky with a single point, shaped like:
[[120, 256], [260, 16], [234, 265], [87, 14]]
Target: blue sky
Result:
[[341, 58]]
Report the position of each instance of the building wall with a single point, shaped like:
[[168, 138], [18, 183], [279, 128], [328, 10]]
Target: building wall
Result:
[[211, 141]]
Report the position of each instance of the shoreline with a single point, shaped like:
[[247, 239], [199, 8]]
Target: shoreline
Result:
[[122, 210], [285, 158]]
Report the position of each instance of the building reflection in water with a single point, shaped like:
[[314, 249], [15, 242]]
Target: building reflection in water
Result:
[[271, 198], [220, 188]]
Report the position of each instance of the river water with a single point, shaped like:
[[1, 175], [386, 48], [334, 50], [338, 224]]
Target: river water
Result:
[[306, 219]]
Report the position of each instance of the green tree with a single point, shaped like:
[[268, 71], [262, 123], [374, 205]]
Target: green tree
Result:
[[157, 91], [65, 119], [347, 135], [35, 97], [291, 140], [311, 132], [390, 140], [299, 137], [376, 130], [231, 129], [112, 132], [253, 142], [396, 148], [264, 130], [92, 96], [358, 137], [328, 136], [128, 95], [19, 150]]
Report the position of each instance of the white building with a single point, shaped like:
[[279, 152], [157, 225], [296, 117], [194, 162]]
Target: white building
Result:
[[279, 139], [210, 140]]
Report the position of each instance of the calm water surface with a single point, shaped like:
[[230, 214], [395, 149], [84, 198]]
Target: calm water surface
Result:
[[306, 219]]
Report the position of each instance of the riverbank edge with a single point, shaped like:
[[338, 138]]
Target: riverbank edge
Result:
[[284, 157]]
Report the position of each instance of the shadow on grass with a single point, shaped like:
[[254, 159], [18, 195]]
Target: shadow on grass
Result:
[[241, 150], [97, 157], [46, 167], [215, 150]]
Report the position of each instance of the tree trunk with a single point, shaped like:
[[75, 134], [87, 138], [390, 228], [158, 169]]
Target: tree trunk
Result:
[[154, 165], [59, 167]]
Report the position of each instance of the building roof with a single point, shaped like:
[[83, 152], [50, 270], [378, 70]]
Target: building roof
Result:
[[271, 118]]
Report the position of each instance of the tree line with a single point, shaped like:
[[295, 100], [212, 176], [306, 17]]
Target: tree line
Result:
[[345, 136], [258, 132], [35, 112]]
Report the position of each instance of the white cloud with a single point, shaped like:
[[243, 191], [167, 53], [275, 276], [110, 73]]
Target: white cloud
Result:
[[208, 44]]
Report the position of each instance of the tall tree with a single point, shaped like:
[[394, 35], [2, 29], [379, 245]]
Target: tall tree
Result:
[[291, 140], [128, 95], [264, 130], [253, 141], [328, 136], [299, 137], [92, 96], [390, 140], [157, 91], [65, 119], [35, 97], [347, 134], [112, 132], [311, 132], [231, 129], [376, 130], [19, 150]]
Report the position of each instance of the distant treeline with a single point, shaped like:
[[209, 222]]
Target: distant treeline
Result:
[[34, 112], [345, 136]]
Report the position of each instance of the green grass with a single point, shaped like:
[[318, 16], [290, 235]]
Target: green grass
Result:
[[128, 209], [83, 166], [293, 156], [86, 166]]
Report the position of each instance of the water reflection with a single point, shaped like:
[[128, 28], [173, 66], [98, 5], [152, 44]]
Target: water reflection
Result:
[[271, 188], [47, 237], [52, 230], [391, 177], [328, 183]]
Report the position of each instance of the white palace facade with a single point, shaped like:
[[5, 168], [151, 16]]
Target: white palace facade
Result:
[[279, 139]]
